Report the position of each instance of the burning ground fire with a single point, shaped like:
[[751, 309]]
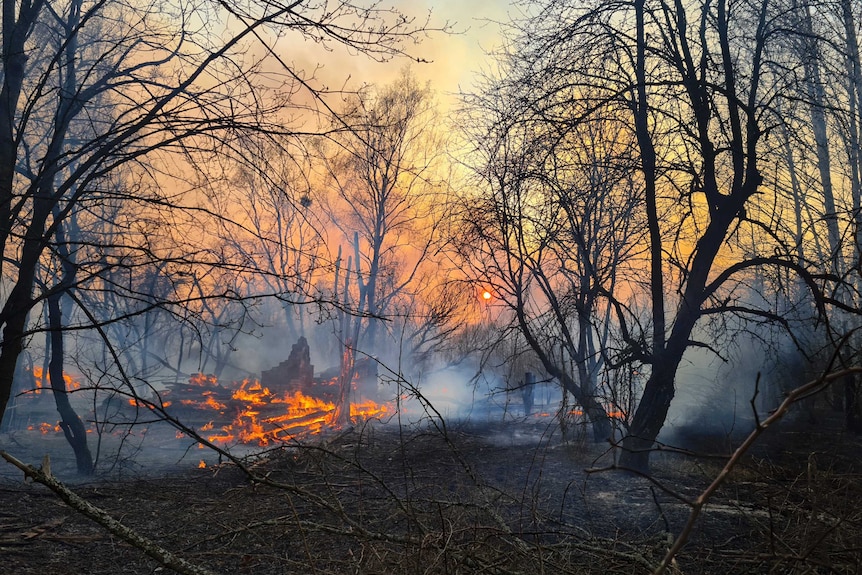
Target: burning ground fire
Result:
[[45, 428], [241, 412], [250, 413], [41, 382]]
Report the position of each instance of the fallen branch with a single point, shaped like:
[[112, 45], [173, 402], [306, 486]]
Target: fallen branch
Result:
[[102, 517]]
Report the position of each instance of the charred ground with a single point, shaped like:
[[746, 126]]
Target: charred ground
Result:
[[501, 498]]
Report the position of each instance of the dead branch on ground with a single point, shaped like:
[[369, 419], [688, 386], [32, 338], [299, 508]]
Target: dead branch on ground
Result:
[[100, 516]]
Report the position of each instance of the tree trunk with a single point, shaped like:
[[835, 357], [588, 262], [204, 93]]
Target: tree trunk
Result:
[[854, 97], [811, 59], [659, 390], [73, 427], [650, 416], [341, 416], [17, 308], [16, 29], [595, 411]]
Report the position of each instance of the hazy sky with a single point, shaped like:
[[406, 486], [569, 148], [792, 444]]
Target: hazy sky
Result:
[[457, 57], [454, 58]]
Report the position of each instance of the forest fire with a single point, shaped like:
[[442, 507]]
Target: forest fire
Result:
[[38, 406], [243, 412], [250, 413]]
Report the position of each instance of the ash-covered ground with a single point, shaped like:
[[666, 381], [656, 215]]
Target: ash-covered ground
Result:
[[504, 497]]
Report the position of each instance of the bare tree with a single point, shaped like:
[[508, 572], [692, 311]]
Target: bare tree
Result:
[[384, 177], [282, 240], [552, 226], [697, 85], [135, 105]]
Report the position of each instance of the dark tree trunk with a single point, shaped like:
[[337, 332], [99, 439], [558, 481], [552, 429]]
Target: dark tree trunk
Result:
[[649, 417], [851, 405], [724, 207], [659, 390], [585, 396], [812, 60], [72, 426], [18, 305], [15, 31]]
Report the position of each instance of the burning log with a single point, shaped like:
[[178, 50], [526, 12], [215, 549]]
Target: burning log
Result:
[[251, 413]]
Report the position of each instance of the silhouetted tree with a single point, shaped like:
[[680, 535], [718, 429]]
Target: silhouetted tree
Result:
[[698, 87], [553, 225], [384, 177]]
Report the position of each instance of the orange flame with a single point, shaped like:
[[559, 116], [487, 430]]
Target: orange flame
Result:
[[250, 390], [250, 413], [208, 380], [612, 413], [263, 417], [368, 409], [42, 380]]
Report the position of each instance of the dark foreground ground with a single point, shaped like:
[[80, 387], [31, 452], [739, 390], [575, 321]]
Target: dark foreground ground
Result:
[[498, 499]]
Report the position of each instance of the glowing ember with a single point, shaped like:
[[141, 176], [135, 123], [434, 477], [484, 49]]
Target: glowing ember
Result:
[[45, 428]]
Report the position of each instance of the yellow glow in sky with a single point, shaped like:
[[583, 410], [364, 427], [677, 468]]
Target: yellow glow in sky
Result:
[[453, 59]]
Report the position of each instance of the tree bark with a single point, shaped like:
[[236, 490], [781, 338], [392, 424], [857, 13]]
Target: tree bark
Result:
[[341, 415], [72, 426]]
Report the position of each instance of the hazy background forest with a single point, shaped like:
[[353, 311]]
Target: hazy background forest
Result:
[[691, 204], [631, 219]]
